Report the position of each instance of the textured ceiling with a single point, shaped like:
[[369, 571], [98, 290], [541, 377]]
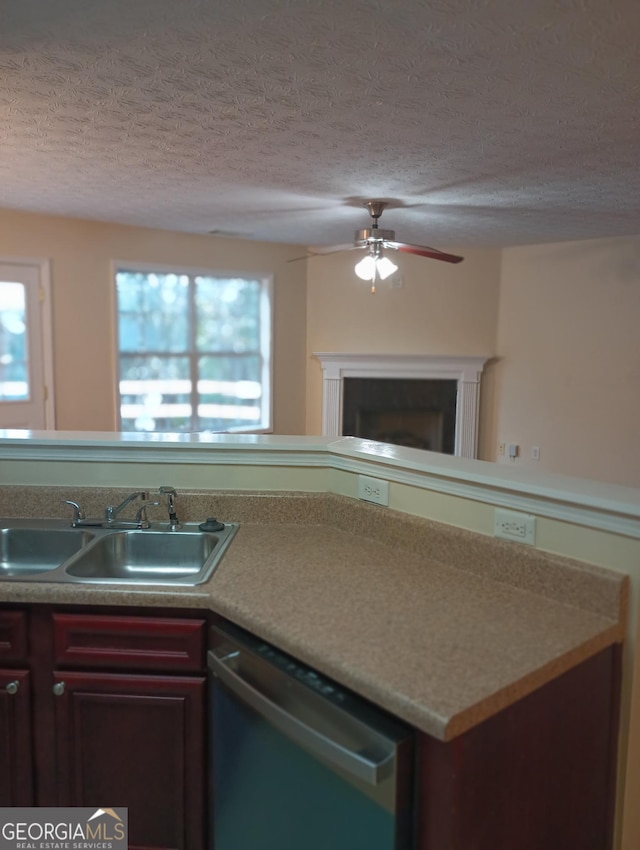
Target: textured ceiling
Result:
[[484, 122]]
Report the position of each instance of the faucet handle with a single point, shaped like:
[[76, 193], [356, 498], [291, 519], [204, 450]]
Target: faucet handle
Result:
[[78, 513]]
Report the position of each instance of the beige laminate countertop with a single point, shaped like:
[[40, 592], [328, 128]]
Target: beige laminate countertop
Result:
[[440, 626]]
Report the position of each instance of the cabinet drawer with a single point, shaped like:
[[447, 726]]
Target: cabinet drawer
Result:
[[13, 636], [128, 643]]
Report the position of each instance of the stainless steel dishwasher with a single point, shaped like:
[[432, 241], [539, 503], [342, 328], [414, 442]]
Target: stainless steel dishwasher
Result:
[[297, 762]]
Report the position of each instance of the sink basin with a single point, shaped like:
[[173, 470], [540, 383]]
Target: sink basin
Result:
[[28, 551], [47, 551], [151, 557]]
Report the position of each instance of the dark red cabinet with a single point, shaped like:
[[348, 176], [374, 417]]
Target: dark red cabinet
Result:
[[107, 708], [13, 637], [128, 642], [16, 757], [135, 741], [16, 752], [539, 775]]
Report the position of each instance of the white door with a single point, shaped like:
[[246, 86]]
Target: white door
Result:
[[26, 370]]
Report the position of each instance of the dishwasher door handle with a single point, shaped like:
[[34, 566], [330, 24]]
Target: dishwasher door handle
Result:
[[365, 769]]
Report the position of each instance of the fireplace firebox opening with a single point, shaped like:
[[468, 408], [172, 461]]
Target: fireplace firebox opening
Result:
[[418, 413]]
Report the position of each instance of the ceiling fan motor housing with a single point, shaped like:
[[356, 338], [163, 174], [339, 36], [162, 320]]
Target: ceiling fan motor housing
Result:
[[374, 234]]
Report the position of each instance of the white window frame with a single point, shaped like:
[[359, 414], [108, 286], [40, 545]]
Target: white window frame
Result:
[[45, 324], [266, 281]]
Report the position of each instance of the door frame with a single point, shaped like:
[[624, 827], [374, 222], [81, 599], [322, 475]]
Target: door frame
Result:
[[46, 314]]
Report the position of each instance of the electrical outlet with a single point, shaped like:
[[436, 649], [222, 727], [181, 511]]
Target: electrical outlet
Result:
[[511, 525], [501, 448], [373, 490]]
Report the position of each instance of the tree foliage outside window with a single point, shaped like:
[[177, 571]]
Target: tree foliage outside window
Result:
[[14, 367], [194, 351]]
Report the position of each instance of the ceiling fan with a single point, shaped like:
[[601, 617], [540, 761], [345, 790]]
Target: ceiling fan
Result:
[[374, 240]]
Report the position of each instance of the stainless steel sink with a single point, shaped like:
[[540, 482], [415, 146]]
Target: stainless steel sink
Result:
[[28, 551], [150, 557], [50, 551]]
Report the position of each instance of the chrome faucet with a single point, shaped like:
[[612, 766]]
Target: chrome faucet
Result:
[[142, 521], [111, 512], [170, 493]]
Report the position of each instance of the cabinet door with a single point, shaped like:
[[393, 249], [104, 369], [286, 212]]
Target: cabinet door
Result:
[[16, 780], [13, 637], [135, 741]]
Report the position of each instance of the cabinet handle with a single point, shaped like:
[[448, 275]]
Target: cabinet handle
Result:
[[12, 687], [58, 689]]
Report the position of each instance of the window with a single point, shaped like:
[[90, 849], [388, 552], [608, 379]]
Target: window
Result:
[[14, 368], [26, 357], [194, 351]]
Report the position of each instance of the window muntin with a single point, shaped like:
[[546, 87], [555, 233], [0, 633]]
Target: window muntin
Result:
[[194, 351]]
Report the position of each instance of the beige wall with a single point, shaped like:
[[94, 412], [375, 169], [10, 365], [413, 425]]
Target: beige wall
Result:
[[562, 320], [440, 309], [81, 255], [568, 366]]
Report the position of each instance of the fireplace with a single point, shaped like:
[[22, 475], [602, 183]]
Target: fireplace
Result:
[[421, 401]]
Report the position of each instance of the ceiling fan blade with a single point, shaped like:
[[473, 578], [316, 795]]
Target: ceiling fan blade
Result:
[[331, 249], [424, 251], [334, 249]]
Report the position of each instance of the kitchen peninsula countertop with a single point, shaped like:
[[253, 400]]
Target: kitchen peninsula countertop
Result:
[[440, 626]]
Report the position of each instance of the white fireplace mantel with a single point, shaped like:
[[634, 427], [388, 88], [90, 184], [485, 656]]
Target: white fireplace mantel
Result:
[[465, 370]]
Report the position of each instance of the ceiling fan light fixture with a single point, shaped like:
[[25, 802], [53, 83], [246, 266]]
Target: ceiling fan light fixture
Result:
[[373, 266], [385, 267], [366, 268]]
